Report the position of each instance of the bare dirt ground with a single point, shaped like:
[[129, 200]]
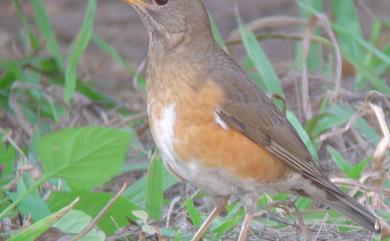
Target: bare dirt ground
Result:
[[118, 24]]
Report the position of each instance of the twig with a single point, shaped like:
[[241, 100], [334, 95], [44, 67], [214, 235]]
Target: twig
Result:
[[324, 23], [323, 224], [24, 124], [379, 156], [307, 111], [170, 210], [284, 36], [267, 22], [93, 223], [339, 131], [289, 204], [353, 183], [14, 145]]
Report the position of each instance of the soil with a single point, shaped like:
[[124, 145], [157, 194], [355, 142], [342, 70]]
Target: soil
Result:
[[118, 24]]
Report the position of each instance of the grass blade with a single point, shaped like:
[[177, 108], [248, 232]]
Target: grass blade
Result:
[[216, 33], [256, 53], [302, 134], [107, 48], [46, 30], [154, 188], [79, 45], [193, 213]]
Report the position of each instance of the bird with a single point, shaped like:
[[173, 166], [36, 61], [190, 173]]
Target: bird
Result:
[[215, 129]]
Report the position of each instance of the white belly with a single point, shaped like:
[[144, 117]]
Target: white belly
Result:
[[211, 180]]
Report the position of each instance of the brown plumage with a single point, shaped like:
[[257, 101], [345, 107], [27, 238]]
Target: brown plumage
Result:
[[214, 128]]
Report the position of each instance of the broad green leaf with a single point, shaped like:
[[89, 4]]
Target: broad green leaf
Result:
[[32, 232], [92, 203], [256, 53], [43, 23], [302, 134], [193, 213], [154, 188], [83, 157], [79, 46], [74, 221]]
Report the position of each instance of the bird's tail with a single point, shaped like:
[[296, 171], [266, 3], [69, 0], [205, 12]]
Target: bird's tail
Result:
[[354, 210]]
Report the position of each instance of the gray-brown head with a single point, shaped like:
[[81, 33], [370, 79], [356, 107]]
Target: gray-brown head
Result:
[[172, 21]]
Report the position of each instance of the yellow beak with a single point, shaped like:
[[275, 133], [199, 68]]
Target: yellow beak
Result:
[[131, 2], [139, 4]]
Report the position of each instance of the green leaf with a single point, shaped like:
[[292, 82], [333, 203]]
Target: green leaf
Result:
[[92, 203], [32, 232], [362, 43], [303, 203], [7, 158], [43, 23], [302, 134], [232, 219], [343, 165], [319, 124], [345, 16], [136, 192], [74, 221], [344, 113], [348, 169], [154, 188], [34, 206], [79, 46], [83, 157], [193, 213], [256, 53]]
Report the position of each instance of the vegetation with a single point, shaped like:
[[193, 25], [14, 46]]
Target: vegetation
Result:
[[62, 164]]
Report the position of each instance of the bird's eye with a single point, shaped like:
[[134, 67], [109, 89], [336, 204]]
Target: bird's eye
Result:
[[161, 2]]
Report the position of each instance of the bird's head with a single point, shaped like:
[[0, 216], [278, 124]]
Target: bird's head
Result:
[[165, 18]]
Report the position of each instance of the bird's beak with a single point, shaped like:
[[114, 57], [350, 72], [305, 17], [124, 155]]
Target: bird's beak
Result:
[[133, 1], [139, 4]]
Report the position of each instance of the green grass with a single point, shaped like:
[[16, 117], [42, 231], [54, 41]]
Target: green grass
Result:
[[64, 185]]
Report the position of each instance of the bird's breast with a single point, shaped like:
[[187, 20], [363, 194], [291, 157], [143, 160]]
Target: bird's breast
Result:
[[200, 148]]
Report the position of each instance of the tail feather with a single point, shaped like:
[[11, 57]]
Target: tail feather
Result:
[[354, 210]]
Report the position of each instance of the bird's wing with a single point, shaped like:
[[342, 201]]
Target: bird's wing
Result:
[[249, 111], [252, 113]]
